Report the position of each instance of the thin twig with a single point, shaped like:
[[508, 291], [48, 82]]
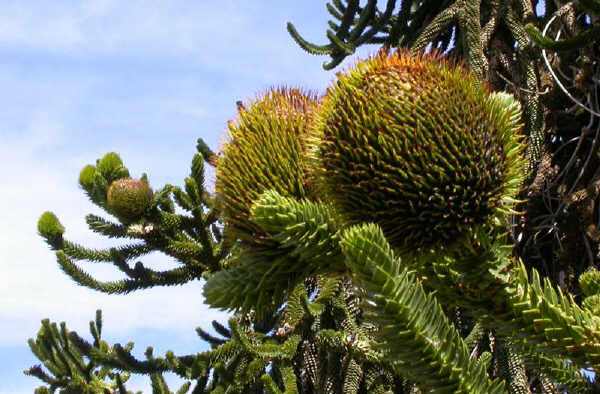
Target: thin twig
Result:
[[560, 85]]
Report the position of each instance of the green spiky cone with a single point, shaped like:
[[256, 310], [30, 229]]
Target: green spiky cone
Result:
[[418, 146], [265, 151], [128, 199]]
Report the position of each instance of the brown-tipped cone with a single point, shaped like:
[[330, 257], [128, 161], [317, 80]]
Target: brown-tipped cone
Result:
[[265, 151], [129, 198], [419, 147]]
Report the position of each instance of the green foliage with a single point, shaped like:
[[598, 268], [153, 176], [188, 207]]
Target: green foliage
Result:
[[86, 177], [306, 230], [150, 220], [592, 303], [51, 230], [351, 32], [237, 363], [588, 37], [70, 369], [590, 282], [424, 342], [110, 166], [370, 242], [95, 180], [408, 23], [307, 242]]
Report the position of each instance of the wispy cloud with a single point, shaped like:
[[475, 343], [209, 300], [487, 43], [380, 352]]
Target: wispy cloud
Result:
[[229, 36]]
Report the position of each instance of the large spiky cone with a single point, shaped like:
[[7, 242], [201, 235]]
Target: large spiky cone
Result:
[[418, 146], [265, 151]]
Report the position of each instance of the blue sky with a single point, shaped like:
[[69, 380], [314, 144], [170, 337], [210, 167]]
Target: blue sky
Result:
[[142, 78]]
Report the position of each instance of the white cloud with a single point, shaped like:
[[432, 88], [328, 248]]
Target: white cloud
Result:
[[239, 38], [105, 27]]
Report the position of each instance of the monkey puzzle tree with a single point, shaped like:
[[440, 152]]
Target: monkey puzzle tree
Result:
[[429, 224]]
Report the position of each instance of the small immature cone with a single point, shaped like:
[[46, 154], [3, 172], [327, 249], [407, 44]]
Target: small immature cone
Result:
[[129, 198]]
